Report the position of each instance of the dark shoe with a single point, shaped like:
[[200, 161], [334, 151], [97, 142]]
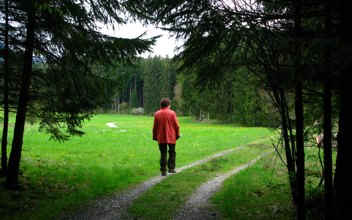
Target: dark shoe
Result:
[[163, 173], [172, 171]]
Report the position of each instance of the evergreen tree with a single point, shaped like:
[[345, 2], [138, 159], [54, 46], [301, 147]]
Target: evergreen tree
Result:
[[63, 34]]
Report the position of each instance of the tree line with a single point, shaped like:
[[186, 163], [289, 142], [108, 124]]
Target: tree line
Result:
[[235, 98]]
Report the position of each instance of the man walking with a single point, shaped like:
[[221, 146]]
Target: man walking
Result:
[[166, 131]]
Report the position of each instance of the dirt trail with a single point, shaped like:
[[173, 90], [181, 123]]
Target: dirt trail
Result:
[[115, 207], [198, 207]]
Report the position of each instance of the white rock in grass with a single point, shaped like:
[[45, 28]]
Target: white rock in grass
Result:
[[111, 125]]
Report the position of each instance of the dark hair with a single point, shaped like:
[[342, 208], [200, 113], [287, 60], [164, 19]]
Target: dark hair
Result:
[[164, 102]]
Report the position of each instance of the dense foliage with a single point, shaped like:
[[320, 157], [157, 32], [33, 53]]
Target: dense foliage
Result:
[[238, 97]]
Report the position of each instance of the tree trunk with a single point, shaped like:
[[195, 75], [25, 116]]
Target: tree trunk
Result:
[[118, 105], [15, 155], [281, 103], [6, 93], [328, 153], [300, 153], [288, 150], [343, 184]]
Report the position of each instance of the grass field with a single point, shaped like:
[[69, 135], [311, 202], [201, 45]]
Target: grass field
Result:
[[58, 177]]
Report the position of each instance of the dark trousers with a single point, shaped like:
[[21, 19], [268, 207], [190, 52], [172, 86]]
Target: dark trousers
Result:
[[163, 157]]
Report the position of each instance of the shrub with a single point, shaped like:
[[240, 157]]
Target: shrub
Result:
[[123, 108], [137, 111]]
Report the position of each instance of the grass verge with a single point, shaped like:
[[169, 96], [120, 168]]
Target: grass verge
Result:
[[262, 192], [259, 192]]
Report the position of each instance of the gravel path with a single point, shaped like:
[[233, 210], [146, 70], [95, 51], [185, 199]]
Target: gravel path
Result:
[[115, 207], [198, 207]]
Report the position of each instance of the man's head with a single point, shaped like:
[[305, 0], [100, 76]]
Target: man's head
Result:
[[165, 102]]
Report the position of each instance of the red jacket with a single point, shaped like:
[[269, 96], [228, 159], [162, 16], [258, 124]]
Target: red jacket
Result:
[[166, 128]]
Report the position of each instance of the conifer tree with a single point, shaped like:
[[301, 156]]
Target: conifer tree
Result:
[[64, 36]]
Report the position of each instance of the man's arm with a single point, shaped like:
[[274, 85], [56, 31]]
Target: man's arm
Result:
[[177, 127], [155, 129]]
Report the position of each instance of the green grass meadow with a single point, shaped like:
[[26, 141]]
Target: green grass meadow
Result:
[[60, 177]]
